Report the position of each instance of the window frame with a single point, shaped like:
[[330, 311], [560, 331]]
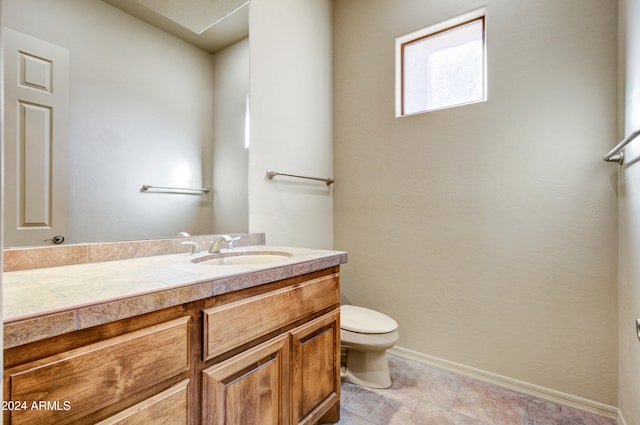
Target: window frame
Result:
[[432, 30]]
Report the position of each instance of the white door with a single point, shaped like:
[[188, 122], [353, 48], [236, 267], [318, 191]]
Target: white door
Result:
[[36, 85]]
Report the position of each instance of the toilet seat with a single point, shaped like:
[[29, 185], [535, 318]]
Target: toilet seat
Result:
[[368, 342], [365, 321]]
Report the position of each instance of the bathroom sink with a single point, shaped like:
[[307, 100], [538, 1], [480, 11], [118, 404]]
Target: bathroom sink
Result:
[[234, 258]]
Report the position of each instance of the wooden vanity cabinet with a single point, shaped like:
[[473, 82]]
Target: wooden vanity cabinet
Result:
[[291, 378], [265, 355]]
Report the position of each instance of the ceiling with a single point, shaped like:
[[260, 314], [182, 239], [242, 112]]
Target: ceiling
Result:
[[210, 25]]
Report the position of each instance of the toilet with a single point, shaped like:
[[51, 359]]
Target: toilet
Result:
[[365, 336]]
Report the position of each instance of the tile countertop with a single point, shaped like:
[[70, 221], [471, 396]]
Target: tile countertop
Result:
[[42, 303]]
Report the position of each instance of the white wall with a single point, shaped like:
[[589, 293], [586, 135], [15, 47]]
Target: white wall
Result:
[[629, 226], [291, 89], [141, 106], [487, 231], [230, 157]]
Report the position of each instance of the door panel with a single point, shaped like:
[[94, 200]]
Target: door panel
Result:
[[36, 128]]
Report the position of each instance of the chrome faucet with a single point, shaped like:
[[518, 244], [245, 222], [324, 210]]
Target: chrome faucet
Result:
[[215, 245], [195, 248]]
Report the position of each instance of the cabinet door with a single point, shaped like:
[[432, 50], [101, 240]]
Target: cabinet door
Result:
[[315, 369], [251, 388]]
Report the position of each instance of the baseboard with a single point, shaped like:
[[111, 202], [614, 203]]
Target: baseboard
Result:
[[620, 419], [586, 405]]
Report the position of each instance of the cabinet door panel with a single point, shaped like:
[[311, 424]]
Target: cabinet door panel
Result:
[[315, 368], [93, 377], [250, 388]]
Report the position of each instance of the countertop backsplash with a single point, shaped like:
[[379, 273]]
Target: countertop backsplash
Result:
[[26, 258]]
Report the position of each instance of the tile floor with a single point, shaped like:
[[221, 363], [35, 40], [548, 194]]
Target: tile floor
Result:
[[422, 395]]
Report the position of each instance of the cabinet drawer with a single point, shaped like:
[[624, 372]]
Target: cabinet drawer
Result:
[[230, 325], [90, 378], [166, 408]]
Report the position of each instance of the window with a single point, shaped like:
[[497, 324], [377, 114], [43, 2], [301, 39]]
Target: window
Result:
[[441, 66]]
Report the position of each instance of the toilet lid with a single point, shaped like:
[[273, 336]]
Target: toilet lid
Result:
[[365, 321]]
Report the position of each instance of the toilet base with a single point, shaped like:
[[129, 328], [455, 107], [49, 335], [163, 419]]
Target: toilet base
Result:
[[367, 368]]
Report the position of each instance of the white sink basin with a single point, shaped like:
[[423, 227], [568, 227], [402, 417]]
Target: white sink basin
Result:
[[241, 257]]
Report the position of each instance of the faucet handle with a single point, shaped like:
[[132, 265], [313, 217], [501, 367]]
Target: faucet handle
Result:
[[231, 242], [195, 248]]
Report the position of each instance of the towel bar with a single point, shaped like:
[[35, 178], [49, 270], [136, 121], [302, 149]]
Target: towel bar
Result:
[[146, 187], [616, 154], [272, 173]]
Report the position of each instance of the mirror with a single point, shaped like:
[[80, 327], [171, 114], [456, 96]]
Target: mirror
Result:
[[145, 108]]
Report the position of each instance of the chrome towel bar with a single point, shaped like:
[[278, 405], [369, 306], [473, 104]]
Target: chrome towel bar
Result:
[[272, 173], [146, 187], [616, 154]]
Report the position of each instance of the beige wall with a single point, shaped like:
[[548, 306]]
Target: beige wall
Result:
[[488, 231], [290, 57], [629, 211], [230, 157]]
